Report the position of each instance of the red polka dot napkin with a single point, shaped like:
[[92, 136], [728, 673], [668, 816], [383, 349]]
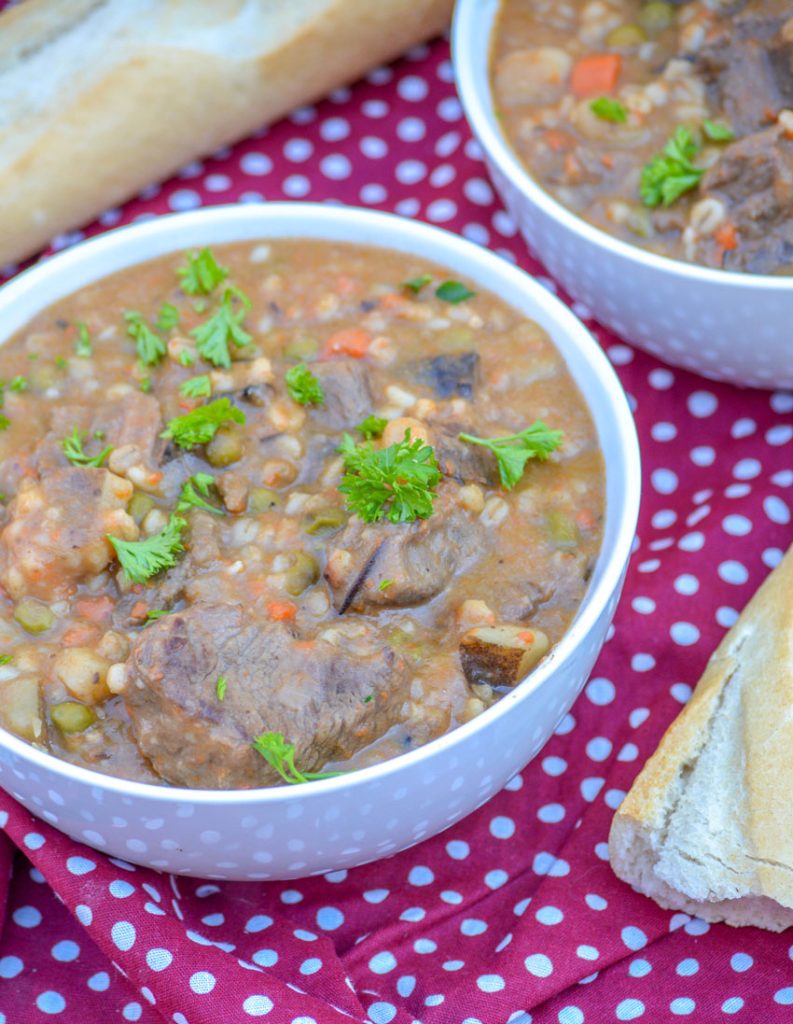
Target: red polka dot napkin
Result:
[[513, 914]]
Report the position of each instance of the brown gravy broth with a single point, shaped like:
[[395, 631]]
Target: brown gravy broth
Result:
[[279, 584], [667, 66]]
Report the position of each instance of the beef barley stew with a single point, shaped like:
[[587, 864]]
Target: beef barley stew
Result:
[[667, 124], [282, 510]]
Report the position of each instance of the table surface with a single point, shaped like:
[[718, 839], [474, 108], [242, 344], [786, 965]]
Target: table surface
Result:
[[514, 913]]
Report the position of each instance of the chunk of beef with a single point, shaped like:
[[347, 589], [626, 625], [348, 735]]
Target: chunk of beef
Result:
[[348, 396], [313, 692], [56, 536], [131, 425], [463, 462], [754, 179], [419, 559], [748, 68], [449, 376]]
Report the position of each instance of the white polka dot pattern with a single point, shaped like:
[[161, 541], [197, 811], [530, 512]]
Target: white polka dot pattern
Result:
[[510, 912]]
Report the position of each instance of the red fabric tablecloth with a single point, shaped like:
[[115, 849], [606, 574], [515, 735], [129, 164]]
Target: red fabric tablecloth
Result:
[[514, 913]]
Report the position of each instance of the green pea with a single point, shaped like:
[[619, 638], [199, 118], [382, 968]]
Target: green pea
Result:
[[33, 615], [302, 348], [303, 572], [325, 520], [139, 506], [656, 16], [626, 37], [70, 716], [262, 499], [227, 446]]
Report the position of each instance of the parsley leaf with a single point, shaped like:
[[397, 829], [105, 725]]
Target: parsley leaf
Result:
[[190, 496], [213, 336], [220, 687], [6, 658], [196, 387], [718, 131], [417, 283], [19, 384], [200, 425], [168, 317], [454, 292], [151, 347], [156, 613], [202, 273], [5, 422], [82, 346], [186, 358], [671, 174], [513, 451], [142, 559], [280, 755], [397, 482], [303, 386], [371, 427], [385, 584], [75, 453], [608, 109]]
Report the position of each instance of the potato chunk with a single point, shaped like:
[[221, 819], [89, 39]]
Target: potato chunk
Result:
[[501, 655], [21, 707]]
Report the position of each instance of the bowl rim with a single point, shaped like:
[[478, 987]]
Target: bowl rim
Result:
[[386, 228], [471, 38]]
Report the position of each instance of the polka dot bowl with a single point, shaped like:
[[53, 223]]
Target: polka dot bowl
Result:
[[287, 832], [726, 326]]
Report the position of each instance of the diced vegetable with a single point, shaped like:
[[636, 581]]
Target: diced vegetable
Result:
[[656, 16], [303, 572], [70, 716], [20, 707], [595, 75], [302, 348], [84, 674], [349, 341], [33, 615], [139, 506], [626, 37], [262, 499], [563, 529], [501, 655]]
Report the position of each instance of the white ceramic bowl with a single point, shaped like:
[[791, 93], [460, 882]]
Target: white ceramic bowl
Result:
[[287, 832], [727, 326]]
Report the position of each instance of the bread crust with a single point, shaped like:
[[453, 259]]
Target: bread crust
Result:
[[757, 656], [158, 104]]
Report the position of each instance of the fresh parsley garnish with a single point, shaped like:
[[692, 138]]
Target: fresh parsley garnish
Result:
[[19, 384], [145, 385], [196, 387], [454, 292], [372, 427], [280, 755], [82, 346], [156, 613], [6, 658], [202, 273], [717, 131], [200, 425], [513, 451], [186, 358], [670, 174], [142, 559], [385, 584], [224, 326], [303, 386], [191, 494], [369, 697], [5, 422], [608, 109], [168, 317], [61, 362], [397, 482], [73, 450], [151, 348], [220, 687], [417, 283]]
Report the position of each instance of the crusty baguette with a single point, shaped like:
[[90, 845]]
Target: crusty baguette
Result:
[[707, 827], [99, 98]]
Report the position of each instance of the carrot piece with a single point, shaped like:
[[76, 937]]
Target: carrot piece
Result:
[[139, 611], [558, 141], [80, 636], [585, 518], [527, 637], [726, 236], [95, 609], [349, 341], [595, 75], [281, 611]]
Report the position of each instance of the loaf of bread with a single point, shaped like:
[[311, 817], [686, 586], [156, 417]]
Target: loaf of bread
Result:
[[99, 98], [708, 826]]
